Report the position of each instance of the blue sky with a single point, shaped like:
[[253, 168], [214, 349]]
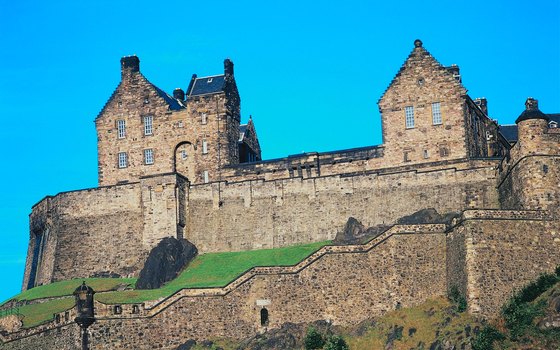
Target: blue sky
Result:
[[309, 72]]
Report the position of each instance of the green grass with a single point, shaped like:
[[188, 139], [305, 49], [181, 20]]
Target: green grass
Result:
[[207, 270], [64, 288], [36, 314], [216, 270]]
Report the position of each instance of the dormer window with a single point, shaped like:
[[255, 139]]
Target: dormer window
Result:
[[209, 80], [409, 117]]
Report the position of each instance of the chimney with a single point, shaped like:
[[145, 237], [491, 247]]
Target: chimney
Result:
[[228, 67], [531, 104], [482, 103], [454, 69], [129, 65], [179, 94]]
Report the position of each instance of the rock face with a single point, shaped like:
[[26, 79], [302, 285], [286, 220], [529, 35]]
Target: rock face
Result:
[[165, 262], [427, 216], [355, 233]]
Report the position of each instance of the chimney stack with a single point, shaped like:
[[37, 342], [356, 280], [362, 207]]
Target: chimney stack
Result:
[[531, 104], [454, 69], [482, 103], [179, 94], [228, 67], [129, 65]]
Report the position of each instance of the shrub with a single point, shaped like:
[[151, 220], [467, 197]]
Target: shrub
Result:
[[519, 316], [336, 343], [485, 339], [313, 339], [534, 289], [457, 299]]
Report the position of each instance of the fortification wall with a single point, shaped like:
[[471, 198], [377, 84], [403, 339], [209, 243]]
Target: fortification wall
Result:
[[92, 231], [266, 214], [499, 252], [404, 266]]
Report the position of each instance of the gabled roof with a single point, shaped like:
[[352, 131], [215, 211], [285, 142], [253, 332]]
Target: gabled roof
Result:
[[419, 53], [208, 85], [171, 101]]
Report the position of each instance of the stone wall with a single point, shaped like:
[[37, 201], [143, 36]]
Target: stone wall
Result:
[[404, 266], [233, 216], [206, 128], [498, 252]]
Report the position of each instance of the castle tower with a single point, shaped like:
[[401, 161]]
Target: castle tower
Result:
[[531, 176], [143, 131], [532, 124], [427, 115]]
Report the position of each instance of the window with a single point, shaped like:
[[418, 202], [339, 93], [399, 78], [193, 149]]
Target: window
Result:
[[426, 155], [407, 156], [183, 154], [204, 147], [123, 160], [117, 309], [436, 113], [148, 122], [409, 117], [148, 156], [204, 118], [205, 175], [121, 129]]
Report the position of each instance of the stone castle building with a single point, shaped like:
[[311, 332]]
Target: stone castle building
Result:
[[183, 165]]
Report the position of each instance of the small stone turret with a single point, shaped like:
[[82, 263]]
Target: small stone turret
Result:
[[532, 124]]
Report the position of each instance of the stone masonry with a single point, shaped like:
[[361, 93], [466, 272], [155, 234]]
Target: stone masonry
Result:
[[184, 166]]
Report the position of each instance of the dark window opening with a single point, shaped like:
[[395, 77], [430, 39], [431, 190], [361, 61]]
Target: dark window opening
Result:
[[264, 317], [135, 309], [545, 168], [117, 310]]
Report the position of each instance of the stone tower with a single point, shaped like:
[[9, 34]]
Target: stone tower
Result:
[[427, 115], [143, 131]]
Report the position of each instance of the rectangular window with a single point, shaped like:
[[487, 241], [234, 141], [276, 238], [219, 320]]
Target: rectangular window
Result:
[[121, 129], [409, 117], [436, 113], [149, 156], [148, 122], [204, 147], [123, 160], [205, 174], [204, 118]]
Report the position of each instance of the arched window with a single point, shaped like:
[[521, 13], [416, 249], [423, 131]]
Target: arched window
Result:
[[264, 317]]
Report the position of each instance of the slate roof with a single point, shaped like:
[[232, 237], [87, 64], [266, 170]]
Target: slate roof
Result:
[[242, 130], [173, 103], [509, 132], [208, 85]]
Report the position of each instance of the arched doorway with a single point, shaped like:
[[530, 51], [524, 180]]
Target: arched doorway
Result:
[[264, 317], [184, 160]]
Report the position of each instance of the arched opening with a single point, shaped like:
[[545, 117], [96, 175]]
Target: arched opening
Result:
[[184, 160], [264, 317]]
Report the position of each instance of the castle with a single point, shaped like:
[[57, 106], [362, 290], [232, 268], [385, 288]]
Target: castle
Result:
[[183, 165]]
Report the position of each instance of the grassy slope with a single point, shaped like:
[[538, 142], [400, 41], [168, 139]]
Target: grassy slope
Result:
[[207, 270]]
